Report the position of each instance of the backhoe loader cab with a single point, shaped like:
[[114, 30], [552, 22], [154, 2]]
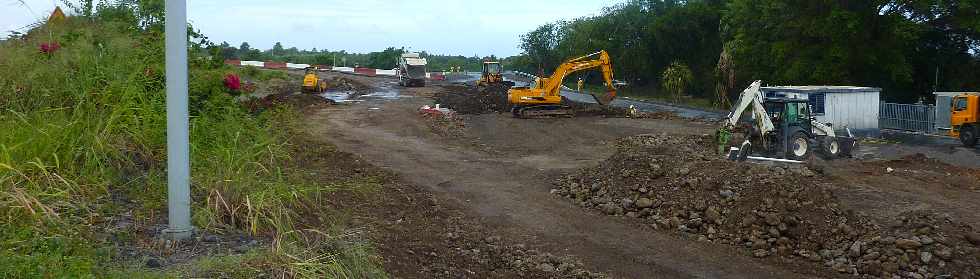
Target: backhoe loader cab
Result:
[[491, 73], [793, 128], [964, 119]]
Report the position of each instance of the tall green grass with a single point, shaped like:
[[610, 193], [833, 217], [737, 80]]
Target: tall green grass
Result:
[[83, 129]]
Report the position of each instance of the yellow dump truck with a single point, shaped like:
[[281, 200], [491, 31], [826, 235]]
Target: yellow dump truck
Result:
[[966, 111]]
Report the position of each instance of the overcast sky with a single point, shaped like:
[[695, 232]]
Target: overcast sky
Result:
[[443, 26]]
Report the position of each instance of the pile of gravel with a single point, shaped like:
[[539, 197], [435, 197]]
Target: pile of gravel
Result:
[[677, 183]]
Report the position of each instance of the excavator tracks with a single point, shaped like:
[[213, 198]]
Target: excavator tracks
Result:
[[542, 111]]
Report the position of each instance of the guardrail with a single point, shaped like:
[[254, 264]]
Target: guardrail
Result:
[[349, 70]]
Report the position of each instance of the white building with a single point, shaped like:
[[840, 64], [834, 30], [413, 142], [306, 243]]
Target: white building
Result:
[[855, 107]]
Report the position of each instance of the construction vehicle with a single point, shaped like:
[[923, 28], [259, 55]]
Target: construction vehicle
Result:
[[781, 128], [491, 74], [543, 97], [964, 119], [411, 70], [312, 82]]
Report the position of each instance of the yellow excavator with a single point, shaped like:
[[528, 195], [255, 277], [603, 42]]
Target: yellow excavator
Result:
[[312, 82], [543, 97]]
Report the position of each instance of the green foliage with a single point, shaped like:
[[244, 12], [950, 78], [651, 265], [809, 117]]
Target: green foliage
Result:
[[821, 42], [677, 78], [643, 38], [295, 261], [385, 59], [896, 45], [84, 130]]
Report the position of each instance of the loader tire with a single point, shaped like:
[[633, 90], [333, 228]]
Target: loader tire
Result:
[[968, 135], [830, 148], [798, 147]]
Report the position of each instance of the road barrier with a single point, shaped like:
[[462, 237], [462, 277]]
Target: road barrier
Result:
[[356, 71], [274, 65], [908, 117], [259, 64], [365, 71], [297, 66]]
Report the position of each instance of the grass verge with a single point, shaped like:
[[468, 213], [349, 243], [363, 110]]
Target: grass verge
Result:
[[82, 162]]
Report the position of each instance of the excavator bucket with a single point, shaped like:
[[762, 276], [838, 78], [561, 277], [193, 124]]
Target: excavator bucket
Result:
[[604, 99]]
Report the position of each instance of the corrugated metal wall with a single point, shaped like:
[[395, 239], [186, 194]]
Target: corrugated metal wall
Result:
[[856, 110], [944, 105]]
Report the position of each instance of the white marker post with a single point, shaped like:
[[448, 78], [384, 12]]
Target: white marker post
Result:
[[178, 153]]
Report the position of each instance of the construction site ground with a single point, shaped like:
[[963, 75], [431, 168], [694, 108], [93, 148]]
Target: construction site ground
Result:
[[494, 177]]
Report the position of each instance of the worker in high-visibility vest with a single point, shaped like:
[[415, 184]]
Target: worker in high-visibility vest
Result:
[[580, 83]]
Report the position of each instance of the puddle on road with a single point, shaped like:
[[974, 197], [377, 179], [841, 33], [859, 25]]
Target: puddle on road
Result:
[[339, 96], [352, 97]]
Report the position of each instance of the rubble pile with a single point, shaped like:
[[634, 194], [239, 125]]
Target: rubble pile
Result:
[[340, 83], [468, 99], [281, 92], [528, 262], [677, 183]]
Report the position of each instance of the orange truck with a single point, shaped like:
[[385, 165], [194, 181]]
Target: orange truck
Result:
[[966, 109]]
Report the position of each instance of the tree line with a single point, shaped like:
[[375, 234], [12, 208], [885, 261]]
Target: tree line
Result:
[[909, 48], [385, 59]]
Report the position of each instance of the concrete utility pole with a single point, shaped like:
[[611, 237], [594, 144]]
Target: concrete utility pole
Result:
[[178, 151]]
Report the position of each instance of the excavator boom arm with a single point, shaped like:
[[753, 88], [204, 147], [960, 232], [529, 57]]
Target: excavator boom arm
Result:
[[553, 85]]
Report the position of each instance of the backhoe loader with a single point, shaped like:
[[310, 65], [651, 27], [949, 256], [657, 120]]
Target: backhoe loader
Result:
[[491, 74], [312, 82], [782, 128], [543, 97]]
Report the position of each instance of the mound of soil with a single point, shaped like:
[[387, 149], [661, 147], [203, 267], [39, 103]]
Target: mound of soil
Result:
[[468, 99], [679, 184], [292, 99], [922, 168], [339, 83]]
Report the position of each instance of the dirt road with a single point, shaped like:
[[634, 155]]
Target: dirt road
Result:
[[501, 169]]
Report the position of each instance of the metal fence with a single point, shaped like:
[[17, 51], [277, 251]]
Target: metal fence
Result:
[[908, 117]]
